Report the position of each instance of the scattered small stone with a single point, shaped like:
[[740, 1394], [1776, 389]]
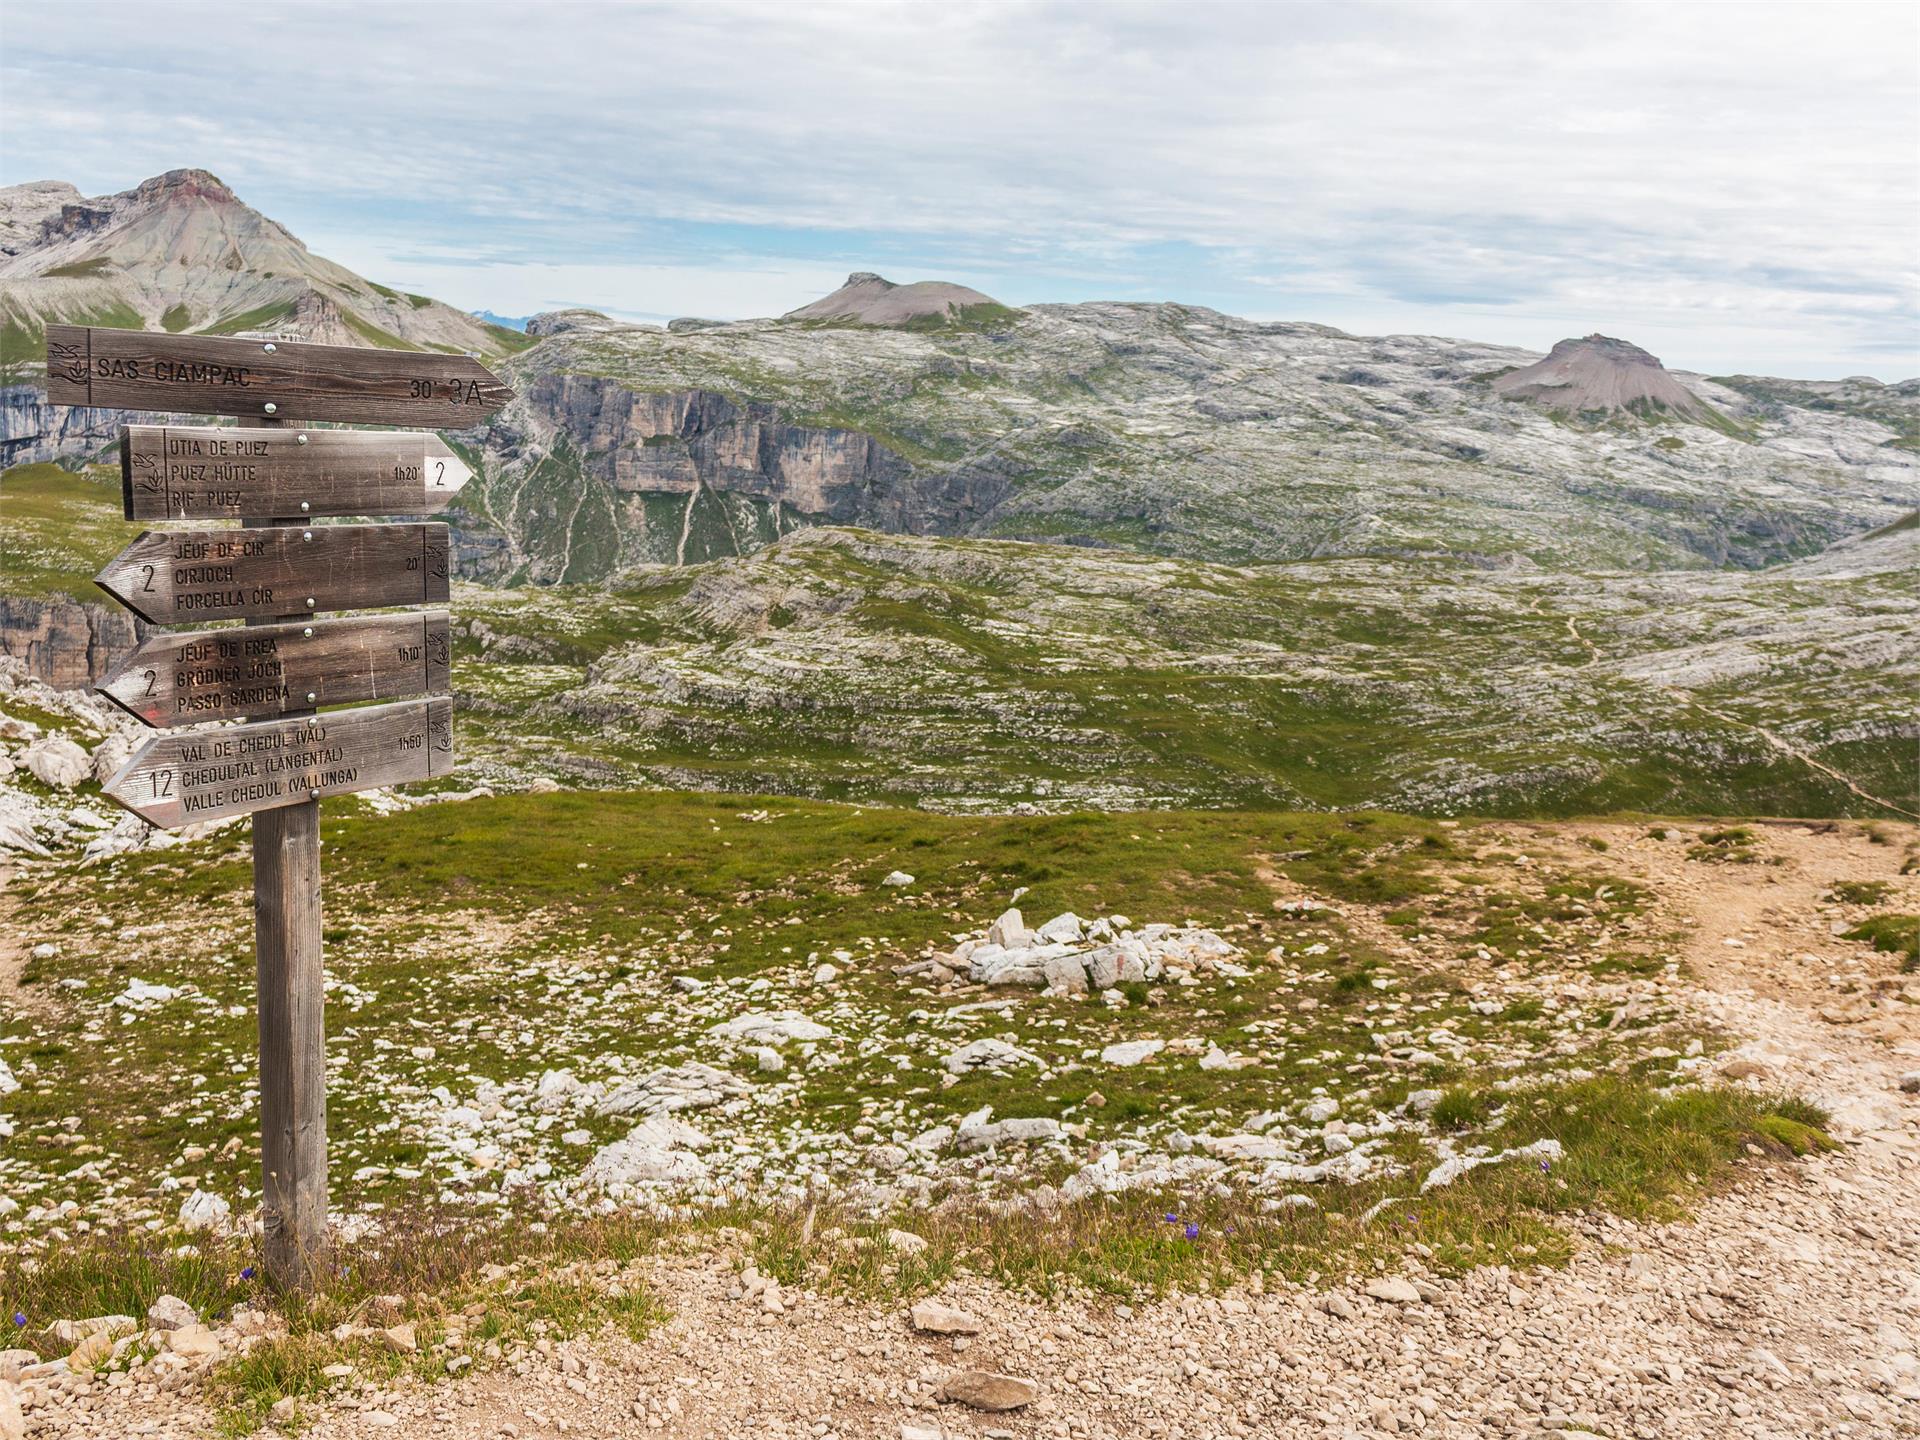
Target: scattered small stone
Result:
[[90, 1351], [170, 1312], [1393, 1290], [203, 1210], [989, 1390], [897, 879], [935, 1317], [1132, 1052], [193, 1342], [989, 1054]]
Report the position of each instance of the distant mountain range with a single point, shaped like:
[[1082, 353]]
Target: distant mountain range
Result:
[[933, 409], [1168, 429], [1279, 564]]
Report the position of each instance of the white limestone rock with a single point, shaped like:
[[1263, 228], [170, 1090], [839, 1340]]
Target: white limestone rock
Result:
[[671, 1089], [778, 1027], [55, 760], [989, 1054], [203, 1210], [1132, 1052]]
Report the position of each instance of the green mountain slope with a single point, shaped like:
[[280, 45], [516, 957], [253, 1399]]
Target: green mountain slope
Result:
[[966, 675]]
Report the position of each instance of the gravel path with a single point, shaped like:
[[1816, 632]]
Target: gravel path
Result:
[[1785, 1309]]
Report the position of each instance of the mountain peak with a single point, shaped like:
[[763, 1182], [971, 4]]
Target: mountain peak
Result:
[[1600, 373], [870, 299], [181, 252], [176, 185]]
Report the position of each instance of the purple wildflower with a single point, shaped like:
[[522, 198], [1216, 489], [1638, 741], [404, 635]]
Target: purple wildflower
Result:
[[1170, 1218], [19, 1318], [247, 1274], [1193, 1232], [1546, 1167]]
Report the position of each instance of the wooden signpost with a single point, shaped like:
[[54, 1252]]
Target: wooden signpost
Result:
[[277, 573], [197, 675], [267, 380], [203, 472], [176, 576], [239, 769]]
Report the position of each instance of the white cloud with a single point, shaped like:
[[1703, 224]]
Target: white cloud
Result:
[[1704, 170]]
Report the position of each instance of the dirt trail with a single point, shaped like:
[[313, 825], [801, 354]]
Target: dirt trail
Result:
[[15, 998], [1787, 1308]]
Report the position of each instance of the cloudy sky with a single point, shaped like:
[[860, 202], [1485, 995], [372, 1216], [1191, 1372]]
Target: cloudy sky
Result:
[[1734, 186]]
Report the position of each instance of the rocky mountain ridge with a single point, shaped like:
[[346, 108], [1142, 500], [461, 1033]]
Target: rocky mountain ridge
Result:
[[181, 252], [930, 409], [1173, 430]]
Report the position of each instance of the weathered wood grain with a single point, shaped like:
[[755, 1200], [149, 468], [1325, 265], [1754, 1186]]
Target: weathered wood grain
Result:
[[189, 776], [290, 983], [208, 472], [220, 375], [174, 576], [185, 678]]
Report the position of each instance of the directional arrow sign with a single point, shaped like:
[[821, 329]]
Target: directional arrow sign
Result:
[[173, 576], [203, 472], [195, 775], [266, 670], [214, 375]]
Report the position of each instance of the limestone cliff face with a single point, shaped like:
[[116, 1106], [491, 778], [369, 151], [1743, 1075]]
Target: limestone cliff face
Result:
[[681, 446], [32, 431], [66, 643]]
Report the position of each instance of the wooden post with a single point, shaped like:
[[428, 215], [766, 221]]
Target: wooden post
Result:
[[293, 1035]]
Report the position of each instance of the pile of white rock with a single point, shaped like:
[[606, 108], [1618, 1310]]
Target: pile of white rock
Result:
[[1072, 956]]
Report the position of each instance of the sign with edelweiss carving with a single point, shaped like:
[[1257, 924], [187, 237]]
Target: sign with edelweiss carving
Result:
[[178, 779], [174, 576], [267, 379], [207, 472], [259, 671]]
